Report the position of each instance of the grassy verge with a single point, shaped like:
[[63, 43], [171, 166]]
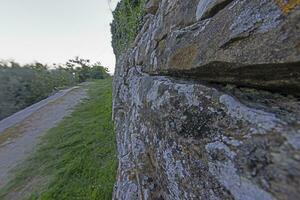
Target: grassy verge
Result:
[[76, 159]]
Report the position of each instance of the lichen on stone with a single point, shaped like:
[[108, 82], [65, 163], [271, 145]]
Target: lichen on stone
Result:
[[287, 5], [181, 132]]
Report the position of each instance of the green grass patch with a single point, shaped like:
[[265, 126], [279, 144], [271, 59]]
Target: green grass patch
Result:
[[75, 160]]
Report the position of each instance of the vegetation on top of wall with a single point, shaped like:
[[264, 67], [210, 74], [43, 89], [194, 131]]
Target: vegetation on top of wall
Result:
[[126, 24]]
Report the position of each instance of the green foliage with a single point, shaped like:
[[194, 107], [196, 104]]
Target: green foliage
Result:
[[126, 24], [22, 86], [84, 70], [79, 154]]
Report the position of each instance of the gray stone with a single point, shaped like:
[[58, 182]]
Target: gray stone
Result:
[[207, 8], [242, 42], [183, 140], [152, 6], [191, 117]]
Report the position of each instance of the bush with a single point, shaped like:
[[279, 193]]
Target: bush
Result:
[[22, 86], [126, 24]]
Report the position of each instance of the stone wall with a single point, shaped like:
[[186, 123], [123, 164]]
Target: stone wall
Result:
[[206, 102]]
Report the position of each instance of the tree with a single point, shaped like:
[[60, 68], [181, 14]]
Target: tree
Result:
[[85, 70]]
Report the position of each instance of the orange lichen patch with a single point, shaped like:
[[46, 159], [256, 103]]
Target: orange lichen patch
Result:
[[287, 5]]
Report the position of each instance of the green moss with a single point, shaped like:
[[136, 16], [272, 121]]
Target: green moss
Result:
[[126, 24]]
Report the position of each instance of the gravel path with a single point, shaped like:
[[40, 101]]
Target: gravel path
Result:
[[20, 133]]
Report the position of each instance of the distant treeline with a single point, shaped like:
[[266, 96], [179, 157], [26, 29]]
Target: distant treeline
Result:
[[23, 85]]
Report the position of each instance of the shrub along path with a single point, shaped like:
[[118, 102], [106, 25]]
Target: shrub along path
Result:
[[74, 160]]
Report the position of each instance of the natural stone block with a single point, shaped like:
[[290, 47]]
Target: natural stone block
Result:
[[200, 105]]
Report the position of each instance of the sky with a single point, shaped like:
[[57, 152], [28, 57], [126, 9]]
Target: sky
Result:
[[53, 31]]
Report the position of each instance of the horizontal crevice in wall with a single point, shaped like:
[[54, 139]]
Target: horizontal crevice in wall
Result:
[[281, 78]]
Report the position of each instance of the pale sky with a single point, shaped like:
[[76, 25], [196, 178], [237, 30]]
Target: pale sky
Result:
[[53, 31]]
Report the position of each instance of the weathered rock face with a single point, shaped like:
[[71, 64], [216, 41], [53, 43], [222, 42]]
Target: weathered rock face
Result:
[[180, 136], [239, 42]]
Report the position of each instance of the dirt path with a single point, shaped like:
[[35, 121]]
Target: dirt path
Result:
[[20, 133]]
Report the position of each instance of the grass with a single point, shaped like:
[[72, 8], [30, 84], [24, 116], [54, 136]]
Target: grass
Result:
[[75, 160]]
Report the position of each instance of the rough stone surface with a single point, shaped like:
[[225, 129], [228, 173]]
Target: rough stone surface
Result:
[[208, 8], [151, 6], [180, 137], [239, 42]]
